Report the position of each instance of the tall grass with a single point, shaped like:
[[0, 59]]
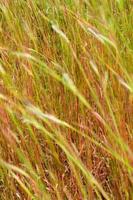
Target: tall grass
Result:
[[66, 99]]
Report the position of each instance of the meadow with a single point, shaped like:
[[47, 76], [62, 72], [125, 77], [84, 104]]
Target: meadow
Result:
[[66, 99]]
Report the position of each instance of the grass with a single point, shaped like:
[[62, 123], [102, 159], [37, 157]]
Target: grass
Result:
[[66, 100]]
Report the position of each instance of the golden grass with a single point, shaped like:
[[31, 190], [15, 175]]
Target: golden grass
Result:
[[66, 99]]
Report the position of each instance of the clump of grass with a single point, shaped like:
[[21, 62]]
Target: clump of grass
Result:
[[66, 95]]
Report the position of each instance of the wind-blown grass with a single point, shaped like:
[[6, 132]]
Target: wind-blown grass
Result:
[[66, 97]]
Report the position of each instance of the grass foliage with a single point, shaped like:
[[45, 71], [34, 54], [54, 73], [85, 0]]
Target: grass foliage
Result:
[[66, 99]]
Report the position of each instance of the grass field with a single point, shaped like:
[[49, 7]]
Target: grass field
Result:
[[66, 99]]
